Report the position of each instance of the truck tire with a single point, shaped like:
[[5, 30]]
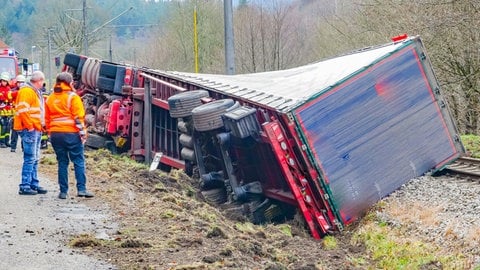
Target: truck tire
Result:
[[215, 196], [95, 141], [188, 154], [181, 104], [186, 140], [209, 116]]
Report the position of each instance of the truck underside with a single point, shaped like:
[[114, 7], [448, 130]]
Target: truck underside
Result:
[[326, 140]]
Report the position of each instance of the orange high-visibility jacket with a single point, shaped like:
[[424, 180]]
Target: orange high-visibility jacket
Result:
[[28, 109], [61, 110]]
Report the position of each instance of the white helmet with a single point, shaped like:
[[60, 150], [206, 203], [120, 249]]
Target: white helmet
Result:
[[20, 78], [5, 76]]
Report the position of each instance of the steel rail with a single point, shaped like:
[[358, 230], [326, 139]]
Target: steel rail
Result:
[[466, 168]]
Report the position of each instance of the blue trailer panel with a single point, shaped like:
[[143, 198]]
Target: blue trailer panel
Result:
[[376, 130]]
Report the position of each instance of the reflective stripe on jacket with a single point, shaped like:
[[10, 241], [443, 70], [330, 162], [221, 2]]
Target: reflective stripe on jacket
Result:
[[61, 110], [28, 109]]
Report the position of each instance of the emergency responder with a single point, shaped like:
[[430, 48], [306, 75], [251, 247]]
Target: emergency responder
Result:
[[28, 122], [64, 119], [20, 80], [6, 109]]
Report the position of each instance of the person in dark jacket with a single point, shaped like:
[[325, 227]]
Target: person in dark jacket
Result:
[[64, 119]]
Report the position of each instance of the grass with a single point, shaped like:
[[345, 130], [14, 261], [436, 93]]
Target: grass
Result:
[[393, 248], [383, 245], [472, 144], [390, 247]]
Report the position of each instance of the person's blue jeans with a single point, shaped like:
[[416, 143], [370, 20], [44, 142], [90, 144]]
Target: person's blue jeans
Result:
[[31, 156], [13, 136], [69, 147]]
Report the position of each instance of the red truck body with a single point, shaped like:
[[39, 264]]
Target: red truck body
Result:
[[327, 140]]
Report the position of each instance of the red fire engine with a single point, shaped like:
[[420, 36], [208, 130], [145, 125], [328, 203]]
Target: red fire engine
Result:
[[8, 60]]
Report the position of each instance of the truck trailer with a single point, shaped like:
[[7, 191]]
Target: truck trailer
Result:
[[325, 140]]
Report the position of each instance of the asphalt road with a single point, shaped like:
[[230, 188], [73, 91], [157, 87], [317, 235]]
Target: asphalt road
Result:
[[35, 230]]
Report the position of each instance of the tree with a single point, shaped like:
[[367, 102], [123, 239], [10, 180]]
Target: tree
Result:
[[6, 36], [173, 44], [450, 32], [269, 35]]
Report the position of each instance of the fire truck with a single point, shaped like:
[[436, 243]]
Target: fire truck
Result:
[[8, 60], [324, 141]]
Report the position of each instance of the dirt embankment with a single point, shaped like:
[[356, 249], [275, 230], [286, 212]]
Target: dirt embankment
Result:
[[164, 223], [157, 220]]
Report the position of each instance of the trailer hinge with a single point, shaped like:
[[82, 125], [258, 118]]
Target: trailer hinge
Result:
[[423, 56], [304, 147], [326, 197], [338, 224], [290, 117]]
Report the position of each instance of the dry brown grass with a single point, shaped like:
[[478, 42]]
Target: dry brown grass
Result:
[[414, 212], [473, 235]]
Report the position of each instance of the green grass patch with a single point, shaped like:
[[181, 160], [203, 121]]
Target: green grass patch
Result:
[[472, 144], [329, 242], [390, 252]]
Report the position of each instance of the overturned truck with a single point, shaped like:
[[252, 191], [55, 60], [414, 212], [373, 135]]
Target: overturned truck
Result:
[[327, 140]]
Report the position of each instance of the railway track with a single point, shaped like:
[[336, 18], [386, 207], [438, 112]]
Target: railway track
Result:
[[465, 168]]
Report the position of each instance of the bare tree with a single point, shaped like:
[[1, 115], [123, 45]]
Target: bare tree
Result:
[[269, 35], [173, 45], [450, 30], [64, 21]]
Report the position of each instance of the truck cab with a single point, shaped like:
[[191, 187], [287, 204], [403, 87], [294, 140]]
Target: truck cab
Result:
[[9, 61]]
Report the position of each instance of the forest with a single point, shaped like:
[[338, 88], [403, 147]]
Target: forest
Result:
[[268, 35]]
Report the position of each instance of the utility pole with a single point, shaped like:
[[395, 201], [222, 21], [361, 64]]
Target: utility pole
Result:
[[195, 38], [49, 58], [110, 56], [229, 41], [85, 34]]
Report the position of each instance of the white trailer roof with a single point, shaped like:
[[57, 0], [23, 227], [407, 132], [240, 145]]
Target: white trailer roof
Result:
[[284, 90]]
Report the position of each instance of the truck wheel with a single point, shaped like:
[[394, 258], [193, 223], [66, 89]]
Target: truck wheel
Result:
[[181, 104], [95, 141], [215, 196], [209, 116], [188, 154], [186, 140]]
